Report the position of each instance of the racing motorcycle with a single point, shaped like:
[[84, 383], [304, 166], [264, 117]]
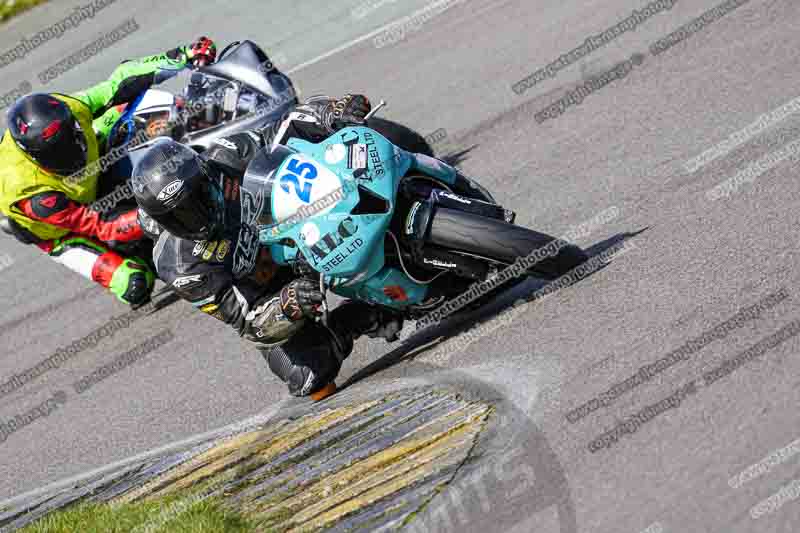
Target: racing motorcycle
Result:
[[242, 91], [384, 225]]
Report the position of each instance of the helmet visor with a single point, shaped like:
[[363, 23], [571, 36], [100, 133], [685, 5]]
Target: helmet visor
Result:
[[65, 153]]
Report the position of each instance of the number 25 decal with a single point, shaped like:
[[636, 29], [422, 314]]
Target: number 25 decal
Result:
[[299, 171]]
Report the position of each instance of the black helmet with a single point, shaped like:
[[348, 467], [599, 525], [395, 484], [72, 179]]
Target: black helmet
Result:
[[176, 187], [46, 130]]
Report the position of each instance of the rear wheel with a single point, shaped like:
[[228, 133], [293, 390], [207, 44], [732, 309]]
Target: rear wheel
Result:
[[500, 241]]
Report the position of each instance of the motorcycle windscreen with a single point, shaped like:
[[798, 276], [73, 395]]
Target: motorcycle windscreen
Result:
[[295, 192], [259, 181], [246, 63]]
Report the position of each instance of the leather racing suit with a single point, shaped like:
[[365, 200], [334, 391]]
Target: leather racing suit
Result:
[[54, 213], [234, 279]]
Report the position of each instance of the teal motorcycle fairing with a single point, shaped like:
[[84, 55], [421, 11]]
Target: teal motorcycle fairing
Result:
[[314, 203]]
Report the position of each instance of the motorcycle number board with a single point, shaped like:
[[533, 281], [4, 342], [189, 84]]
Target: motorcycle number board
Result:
[[304, 187]]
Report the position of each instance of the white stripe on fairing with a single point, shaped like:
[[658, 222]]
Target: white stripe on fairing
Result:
[[78, 260]]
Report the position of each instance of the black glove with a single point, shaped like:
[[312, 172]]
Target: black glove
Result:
[[351, 109], [302, 268], [301, 298], [139, 291]]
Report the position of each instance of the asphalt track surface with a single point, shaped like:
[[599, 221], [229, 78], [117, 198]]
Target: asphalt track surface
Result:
[[696, 264]]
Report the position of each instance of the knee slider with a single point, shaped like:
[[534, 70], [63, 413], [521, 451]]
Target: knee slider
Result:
[[306, 363], [300, 379]]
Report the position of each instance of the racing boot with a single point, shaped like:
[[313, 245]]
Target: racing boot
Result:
[[311, 359], [352, 320]]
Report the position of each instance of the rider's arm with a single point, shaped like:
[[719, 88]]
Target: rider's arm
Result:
[[128, 81], [255, 313], [259, 319], [316, 119], [132, 78], [57, 209]]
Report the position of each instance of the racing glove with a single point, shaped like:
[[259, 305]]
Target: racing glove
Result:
[[300, 299], [302, 268], [351, 109], [202, 52], [132, 282]]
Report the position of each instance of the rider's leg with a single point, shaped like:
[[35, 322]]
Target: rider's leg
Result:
[[310, 361], [129, 279]]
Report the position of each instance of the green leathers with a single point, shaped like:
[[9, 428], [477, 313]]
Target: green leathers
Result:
[[49, 173]]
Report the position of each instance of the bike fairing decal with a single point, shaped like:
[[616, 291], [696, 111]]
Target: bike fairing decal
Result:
[[248, 244], [340, 257], [209, 251], [296, 170], [438, 263], [395, 292], [332, 241], [374, 155], [347, 140], [303, 182], [356, 156], [187, 282], [361, 155], [455, 197], [310, 233], [335, 153]]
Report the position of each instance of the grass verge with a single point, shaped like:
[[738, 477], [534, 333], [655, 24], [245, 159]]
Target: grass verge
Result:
[[167, 515], [10, 8]]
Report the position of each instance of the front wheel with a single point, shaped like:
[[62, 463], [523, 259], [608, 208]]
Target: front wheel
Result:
[[500, 241]]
